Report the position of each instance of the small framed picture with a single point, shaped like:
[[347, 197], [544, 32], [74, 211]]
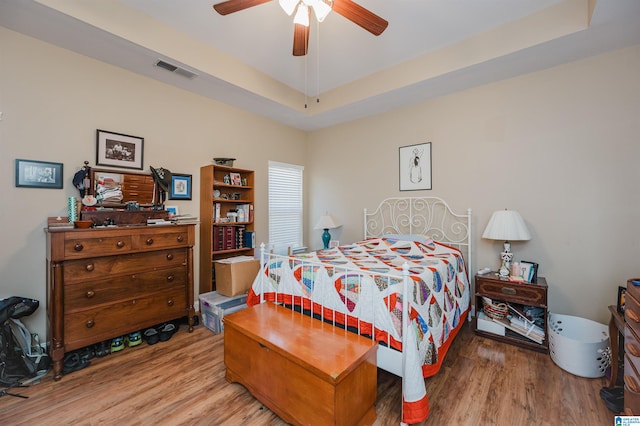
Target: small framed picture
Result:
[[235, 178], [334, 243], [180, 187], [415, 167], [173, 210], [119, 150], [38, 174], [622, 291]]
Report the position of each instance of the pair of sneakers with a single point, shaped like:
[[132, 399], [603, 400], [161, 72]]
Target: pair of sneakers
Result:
[[131, 340], [160, 333]]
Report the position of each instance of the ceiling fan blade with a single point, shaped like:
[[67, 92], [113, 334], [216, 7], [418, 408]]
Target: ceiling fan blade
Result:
[[360, 16], [300, 40], [230, 6]]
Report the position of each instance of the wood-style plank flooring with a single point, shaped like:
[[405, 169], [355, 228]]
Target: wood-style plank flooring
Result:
[[181, 382]]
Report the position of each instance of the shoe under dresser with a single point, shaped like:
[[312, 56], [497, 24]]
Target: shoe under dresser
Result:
[[107, 282]]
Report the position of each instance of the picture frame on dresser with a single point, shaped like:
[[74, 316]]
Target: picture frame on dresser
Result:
[[38, 174], [180, 187], [119, 150], [622, 291]]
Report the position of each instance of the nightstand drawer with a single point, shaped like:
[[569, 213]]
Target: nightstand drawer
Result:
[[523, 293]]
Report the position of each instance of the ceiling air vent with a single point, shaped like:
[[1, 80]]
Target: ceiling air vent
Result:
[[175, 69]]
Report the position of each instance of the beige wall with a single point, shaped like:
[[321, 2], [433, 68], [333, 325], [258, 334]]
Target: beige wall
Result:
[[561, 146], [52, 101]]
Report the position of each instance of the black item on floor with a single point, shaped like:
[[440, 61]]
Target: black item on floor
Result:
[[613, 398], [18, 360]]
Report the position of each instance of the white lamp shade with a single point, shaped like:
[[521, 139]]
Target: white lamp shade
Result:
[[506, 225], [327, 222]]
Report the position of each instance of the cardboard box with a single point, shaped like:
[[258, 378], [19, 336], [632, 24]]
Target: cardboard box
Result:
[[213, 308], [235, 275]]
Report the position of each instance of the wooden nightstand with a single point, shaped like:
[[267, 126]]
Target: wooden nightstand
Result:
[[503, 290]]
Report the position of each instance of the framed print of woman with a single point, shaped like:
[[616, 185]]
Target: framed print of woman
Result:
[[415, 167]]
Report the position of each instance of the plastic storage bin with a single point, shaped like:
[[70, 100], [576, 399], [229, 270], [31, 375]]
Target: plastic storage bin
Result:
[[579, 345], [213, 307]]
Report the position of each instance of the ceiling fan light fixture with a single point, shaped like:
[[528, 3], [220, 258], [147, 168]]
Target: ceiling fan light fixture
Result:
[[302, 15], [320, 8], [289, 6]]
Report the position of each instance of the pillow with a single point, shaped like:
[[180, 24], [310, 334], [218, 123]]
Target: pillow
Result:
[[408, 237]]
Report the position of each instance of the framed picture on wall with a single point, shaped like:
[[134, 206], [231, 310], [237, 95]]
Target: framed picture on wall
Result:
[[38, 174], [119, 150], [415, 167], [180, 187]]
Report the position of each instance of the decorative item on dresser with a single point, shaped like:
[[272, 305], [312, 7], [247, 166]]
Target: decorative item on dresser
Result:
[[632, 348], [105, 283], [226, 217], [506, 225], [515, 295]]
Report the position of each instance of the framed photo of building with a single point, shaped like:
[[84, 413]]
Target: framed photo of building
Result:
[[119, 150], [415, 167], [38, 174]]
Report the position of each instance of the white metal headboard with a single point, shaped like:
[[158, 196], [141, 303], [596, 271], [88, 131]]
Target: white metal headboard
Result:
[[430, 216]]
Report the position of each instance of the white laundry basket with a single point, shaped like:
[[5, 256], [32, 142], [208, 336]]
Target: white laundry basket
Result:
[[579, 345]]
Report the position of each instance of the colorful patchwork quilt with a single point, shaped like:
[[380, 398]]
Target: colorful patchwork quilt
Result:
[[360, 285]]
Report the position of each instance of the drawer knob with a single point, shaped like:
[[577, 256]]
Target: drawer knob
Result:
[[631, 383], [120, 244], [508, 290], [170, 302], [171, 277], [149, 241], [78, 246], [632, 315], [90, 267], [89, 294], [170, 256], [180, 238], [90, 323], [632, 349]]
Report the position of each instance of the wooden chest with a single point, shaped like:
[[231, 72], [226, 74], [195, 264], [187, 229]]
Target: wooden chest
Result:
[[306, 371], [105, 283], [632, 349]]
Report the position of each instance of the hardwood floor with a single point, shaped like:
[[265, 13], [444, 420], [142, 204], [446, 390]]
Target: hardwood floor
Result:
[[181, 382]]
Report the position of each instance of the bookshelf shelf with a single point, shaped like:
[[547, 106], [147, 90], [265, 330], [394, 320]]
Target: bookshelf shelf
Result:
[[219, 237], [516, 294]]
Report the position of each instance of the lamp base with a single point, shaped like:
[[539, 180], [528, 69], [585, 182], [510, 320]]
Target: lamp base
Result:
[[326, 237]]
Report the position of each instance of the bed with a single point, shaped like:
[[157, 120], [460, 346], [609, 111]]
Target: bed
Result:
[[414, 257]]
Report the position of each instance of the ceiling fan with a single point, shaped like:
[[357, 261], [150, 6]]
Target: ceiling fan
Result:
[[347, 8]]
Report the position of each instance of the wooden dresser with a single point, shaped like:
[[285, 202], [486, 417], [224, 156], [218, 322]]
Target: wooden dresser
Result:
[[632, 349], [306, 371], [107, 282]]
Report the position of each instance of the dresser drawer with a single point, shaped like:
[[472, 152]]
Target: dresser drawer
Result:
[[633, 290], [632, 313], [632, 347], [159, 240], [107, 321], [525, 294], [76, 248], [102, 267], [86, 295]]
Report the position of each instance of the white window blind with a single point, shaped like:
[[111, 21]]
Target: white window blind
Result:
[[285, 206]]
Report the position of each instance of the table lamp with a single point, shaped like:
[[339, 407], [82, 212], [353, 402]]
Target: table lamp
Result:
[[506, 225], [326, 222]]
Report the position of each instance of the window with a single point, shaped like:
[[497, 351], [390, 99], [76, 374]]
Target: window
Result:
[[285, 206]]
